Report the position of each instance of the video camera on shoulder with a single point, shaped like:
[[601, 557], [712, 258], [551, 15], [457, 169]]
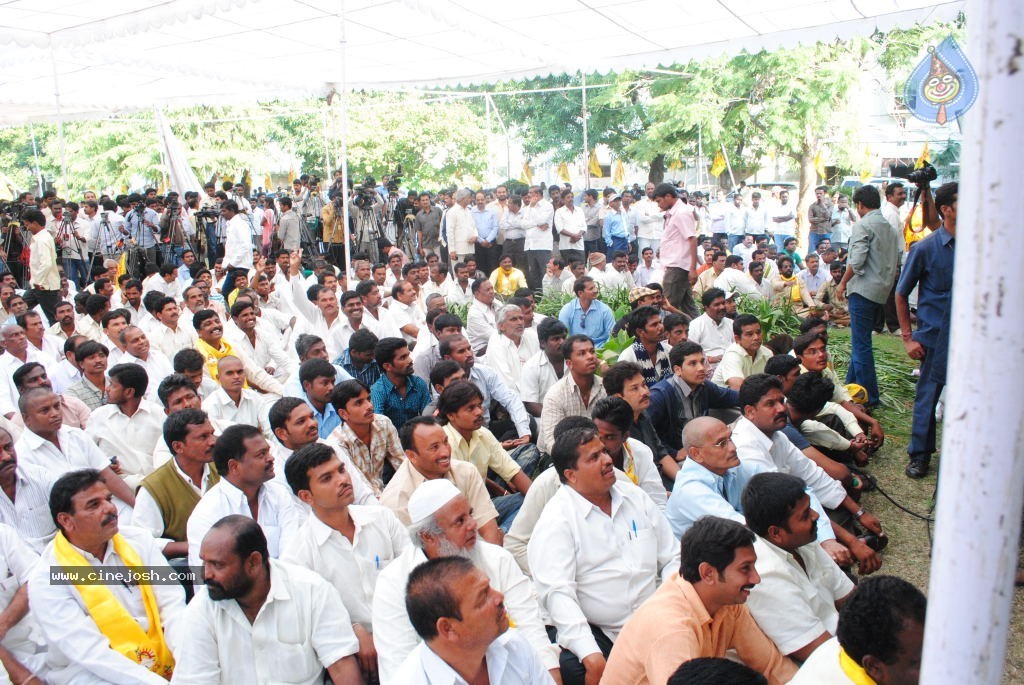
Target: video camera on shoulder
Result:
[[926, 174]]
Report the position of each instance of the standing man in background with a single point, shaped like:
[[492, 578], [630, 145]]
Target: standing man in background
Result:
[[44, 279]]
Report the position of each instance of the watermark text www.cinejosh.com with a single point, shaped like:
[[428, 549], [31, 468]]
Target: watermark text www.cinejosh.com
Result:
[[125, 575]]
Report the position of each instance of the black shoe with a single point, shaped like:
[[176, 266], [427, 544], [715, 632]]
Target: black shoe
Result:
[[917, 470]]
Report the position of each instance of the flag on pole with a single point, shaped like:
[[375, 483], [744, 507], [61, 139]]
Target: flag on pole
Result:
[[122, 264], [675, 165], [527, 175], [267, 182], [563, 172], [595, 168], [718, 166], [292, 175], [819, 165], [925, 156], [619, 177], [865, 172]]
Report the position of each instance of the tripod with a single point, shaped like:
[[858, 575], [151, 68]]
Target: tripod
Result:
[[405, 237], [71, 252], [14, 246], [368, 233], [174, 240], [107, 243]]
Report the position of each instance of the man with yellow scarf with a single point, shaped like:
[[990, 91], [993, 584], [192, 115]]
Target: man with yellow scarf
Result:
[[789, 288], [115, 632], [212, 345], [507, 279]]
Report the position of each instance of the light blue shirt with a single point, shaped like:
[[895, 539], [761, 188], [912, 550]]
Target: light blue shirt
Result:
[[699, 492], [596, 323], [486, 224], [327, 421], [137, 229], [493, 388], [614, 226]]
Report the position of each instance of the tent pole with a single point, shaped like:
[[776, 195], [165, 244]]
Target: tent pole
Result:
[[729, 165], [60, 120], [586, 141], [35, 156], [327, 146], [343, 45], [981, 484]]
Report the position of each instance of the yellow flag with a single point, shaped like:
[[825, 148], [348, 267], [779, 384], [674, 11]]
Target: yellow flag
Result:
[[619, 177], [595, 168], [925, 156], [865, 173], [122, 264], [228, 177], [675, 165], [718, 166], [292, 176], [527, 175], [563, 172], [267, 182], [819, 164]]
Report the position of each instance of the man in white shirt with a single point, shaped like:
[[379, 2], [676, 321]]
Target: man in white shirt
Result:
[[571, 226], [745, 249], [482, 319], [734, 280], [442, 525], [712, 330], [744, 357], [376, 318], [127, 428], [246, 467], [171, 336], [537, 218], [57, 448], [406, 311], [137, 351], [508, 348], [112, 633], [459, 290], [247, 333], [17, 352], [232, 401], [460, 228], [23, 653], [545, 367], [35, 330], [650, 222], [622, 544], [759, 441], [783, 220], [345, 543], [758, 220], [880, 634], [258, 620], [735, 224], [24, 496], [169, 494], [801, 591], [322, 319], [812, 275], [237, 246], [474, 641]]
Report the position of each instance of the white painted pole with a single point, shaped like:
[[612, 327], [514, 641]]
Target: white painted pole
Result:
[[981, 484], [60, 121], [586, 136], [343, 46]]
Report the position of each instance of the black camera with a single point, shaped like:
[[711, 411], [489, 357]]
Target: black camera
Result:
[[208, 214], [926, 174], [396, 180], [364, 197]]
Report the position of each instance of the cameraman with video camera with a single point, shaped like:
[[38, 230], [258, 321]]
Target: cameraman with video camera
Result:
[[141, 225]]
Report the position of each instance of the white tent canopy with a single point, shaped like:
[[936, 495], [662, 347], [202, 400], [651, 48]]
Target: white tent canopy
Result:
[[106, 56]]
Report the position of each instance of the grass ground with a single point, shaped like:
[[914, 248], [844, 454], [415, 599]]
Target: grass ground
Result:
[[908, 554]]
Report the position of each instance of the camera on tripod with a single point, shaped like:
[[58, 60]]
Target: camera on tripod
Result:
[[208, 214], [926, 174], [395, 181], [365, 196]]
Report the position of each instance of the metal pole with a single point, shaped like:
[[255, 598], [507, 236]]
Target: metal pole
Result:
[[981, 483], [60, 120], [700, 156], [728, 165], [586, 136], [490, 169], [327, 147], [35, 156], [343, 46]]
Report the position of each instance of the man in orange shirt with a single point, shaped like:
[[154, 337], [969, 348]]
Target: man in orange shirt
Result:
[[699, 613]]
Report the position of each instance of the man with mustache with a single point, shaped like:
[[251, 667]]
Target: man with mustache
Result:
[[170, 494], [618, 544], [471, 640], [442, 525], [233, 401], [120, 632], [213, 347], [346, 543], [246, 467], [759, 440], [260, 620], [699, 612], [25, 493], [429, 457], [801, 591]]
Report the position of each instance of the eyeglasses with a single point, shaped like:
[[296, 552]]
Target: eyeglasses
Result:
[[722, 443]]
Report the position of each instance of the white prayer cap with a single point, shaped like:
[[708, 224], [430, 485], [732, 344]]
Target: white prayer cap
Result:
[[429, 497]]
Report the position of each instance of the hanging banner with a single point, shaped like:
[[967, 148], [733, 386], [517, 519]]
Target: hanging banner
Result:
[[718, 166], [563, 172], [943, 86], [527, 175], [619, 177], [595, 168]]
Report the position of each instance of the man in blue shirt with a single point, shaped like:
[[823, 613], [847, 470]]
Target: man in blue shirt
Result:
[[317, 377], [398, 394], [586, 314], [929, 268], [616, 236], [487, 249], [140, 225]]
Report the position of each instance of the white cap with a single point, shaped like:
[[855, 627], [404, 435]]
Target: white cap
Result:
[[429, 497]]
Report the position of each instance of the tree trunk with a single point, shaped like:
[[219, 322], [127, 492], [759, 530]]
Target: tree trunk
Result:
[[656, 174], [808, 182]]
